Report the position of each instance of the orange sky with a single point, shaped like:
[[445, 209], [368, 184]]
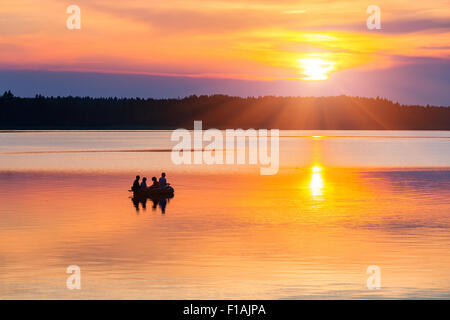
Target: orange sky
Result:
[[173, 48], [246, 39]]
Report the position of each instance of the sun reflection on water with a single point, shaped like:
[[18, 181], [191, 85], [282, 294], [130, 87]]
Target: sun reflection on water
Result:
[[316, 184]]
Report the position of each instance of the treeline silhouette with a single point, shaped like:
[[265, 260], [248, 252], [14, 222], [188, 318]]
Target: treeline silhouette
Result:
[[218, 111]]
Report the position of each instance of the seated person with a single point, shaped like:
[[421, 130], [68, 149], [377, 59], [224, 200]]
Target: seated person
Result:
[[144, 183], [136, 186], [162, 181], [155, 183]]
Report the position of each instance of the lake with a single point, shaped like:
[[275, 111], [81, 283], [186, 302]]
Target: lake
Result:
[[342, 201]]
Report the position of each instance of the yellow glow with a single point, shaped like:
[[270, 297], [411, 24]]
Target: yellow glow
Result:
[[315, 68], [316, 185]]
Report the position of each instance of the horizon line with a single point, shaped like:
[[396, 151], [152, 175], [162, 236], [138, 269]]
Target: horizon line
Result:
[[38, 95]]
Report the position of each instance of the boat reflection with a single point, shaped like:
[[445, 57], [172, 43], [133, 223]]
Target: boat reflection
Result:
[[161, 202]]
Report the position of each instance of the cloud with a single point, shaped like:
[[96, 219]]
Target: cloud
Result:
[[397, 26], [435, 47], [416, 25], [191, 20]]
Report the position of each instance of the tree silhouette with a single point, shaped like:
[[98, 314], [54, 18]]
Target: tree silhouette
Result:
[[218, 111], [8, 95]]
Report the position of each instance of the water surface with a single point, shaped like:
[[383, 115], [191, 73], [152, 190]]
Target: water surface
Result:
[[342, 200]]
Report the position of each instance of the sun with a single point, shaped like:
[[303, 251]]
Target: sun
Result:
[[315, 68]]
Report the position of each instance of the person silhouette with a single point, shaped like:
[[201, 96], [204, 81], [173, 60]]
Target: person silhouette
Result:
[[136, 186], [144, 183], [155, 183], [162, 181]]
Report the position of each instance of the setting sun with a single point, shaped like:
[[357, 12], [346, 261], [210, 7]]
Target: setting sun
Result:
[[315, 68]]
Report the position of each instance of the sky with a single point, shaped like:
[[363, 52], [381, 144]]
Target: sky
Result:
[[176, 48]]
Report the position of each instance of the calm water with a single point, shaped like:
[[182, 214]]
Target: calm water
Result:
[[342, 200]]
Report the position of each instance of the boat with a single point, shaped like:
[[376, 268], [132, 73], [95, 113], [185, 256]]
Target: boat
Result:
[[152, 192]]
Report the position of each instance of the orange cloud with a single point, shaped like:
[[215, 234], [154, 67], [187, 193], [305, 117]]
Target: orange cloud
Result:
[[245, 39]]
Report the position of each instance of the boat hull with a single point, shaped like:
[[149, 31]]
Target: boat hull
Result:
[[154, 193]]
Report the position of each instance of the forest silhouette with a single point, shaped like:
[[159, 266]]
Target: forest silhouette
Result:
[[218, 111]]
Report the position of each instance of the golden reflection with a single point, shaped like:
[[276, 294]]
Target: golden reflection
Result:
[[316, 184]]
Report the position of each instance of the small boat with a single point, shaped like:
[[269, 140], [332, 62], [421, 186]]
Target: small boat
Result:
[[150, 192]]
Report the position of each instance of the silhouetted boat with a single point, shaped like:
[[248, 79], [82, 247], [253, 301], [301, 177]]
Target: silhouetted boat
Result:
[[154, 192]]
